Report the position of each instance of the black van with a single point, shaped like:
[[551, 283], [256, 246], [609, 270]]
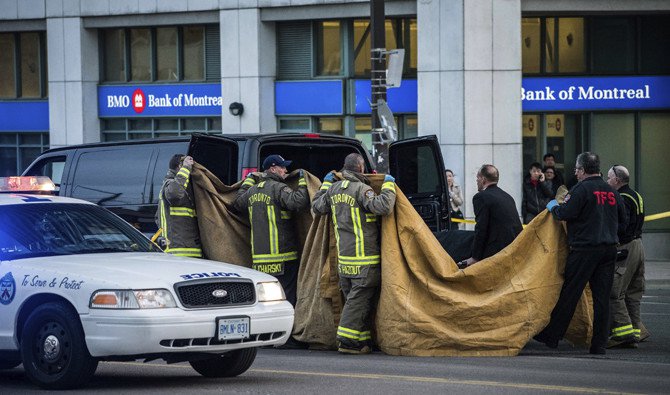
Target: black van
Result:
[[126, 176]]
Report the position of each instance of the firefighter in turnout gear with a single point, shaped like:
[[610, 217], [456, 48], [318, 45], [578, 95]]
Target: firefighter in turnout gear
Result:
[[354, 207], [271, 203], [176, 214], [626, 328]]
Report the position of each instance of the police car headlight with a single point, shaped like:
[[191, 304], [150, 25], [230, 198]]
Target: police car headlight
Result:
[[268, 292], [132, 299]]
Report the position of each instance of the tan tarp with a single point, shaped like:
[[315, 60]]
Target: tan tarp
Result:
[[427, 306]]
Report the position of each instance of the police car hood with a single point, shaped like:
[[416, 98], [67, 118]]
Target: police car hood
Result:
[[137, 270]]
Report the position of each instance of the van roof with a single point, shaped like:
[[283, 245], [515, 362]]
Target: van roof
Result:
[[262, 137]]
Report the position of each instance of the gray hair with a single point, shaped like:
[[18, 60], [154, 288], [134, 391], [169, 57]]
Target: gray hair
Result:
[[590, 162], [490, 173], [621, 173], [353, 162]]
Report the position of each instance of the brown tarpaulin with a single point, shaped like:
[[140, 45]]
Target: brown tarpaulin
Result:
[[427, 306]]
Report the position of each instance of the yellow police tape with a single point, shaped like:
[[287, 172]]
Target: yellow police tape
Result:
[[647, 218]]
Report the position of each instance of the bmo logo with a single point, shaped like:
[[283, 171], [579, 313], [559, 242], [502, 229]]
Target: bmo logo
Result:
[[139, 101]]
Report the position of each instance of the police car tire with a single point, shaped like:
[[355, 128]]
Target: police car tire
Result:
[[230, 364], [72, 365]]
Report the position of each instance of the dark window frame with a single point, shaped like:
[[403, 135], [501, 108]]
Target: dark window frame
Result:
[[41, 62]]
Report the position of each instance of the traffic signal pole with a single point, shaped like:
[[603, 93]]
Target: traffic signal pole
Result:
[[380, 144]]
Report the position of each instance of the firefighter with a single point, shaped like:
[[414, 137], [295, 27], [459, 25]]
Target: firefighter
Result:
[[355, 207], [176, 214], [626, 328], [271, 203]]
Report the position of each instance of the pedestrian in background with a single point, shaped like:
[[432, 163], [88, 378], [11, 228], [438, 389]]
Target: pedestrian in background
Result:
[[455, 199], [550, 160], [270, 204], [593, 212], [550, 179], [497, 219], [536, 193], [628, 286], [176, 215], [355, 207]]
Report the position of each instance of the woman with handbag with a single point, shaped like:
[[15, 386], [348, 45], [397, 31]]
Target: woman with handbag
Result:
[[455, 199]]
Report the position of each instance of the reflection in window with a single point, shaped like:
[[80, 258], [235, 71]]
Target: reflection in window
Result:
[[530, 44], [549, 46], [19, 150], [140, 54], [363, 127], [400, 33], [194, 53], [571, 57], [654, 135], [329, 53], [30, 65], [7, 79], [654, 42], [331, 125], [115, 66], [613, 138], [166, 54], [295, 125]]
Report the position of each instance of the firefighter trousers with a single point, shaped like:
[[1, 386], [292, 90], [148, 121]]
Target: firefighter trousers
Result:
[[627, 290], [589, 265], [361, 296]]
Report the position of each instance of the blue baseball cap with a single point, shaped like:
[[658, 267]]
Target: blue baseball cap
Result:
[[275, 160]]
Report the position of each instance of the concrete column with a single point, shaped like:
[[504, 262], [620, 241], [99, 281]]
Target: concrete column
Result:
[[248, 70], [469, 81], [73, 76]]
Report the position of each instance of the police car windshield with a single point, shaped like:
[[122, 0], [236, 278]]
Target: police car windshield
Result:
[[38, 230]]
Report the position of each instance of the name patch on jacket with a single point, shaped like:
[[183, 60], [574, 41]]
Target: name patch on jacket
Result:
[[260, 197], [342, 198], [276, 269]]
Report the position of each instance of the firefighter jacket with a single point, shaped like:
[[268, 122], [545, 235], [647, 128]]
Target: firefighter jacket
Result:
[[635, 205], [594, 214], [269, 202], [355, 207], [176, 214]]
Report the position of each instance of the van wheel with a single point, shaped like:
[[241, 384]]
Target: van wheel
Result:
[[53, 348], [230, 364]]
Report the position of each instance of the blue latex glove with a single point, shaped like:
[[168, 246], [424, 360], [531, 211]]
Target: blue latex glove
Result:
[[552, 203], [330, 177], [388, 178]]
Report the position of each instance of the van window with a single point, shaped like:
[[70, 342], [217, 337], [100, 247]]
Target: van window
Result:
[[416, 170], [112, 177], [316, 159], [51, 167]]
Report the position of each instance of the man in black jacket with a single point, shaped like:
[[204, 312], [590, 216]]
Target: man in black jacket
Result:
[[497, 219], [593, 212], [536, 193]]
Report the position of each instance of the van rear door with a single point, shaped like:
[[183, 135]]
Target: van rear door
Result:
[[418, 168], [217, 153]]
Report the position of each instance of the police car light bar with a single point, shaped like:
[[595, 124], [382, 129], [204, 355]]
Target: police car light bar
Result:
[[32, 184]]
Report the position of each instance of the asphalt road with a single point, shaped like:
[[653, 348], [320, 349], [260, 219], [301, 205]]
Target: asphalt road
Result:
[[536, 370]]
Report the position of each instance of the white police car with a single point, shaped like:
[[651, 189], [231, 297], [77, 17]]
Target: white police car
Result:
[[79, 285]]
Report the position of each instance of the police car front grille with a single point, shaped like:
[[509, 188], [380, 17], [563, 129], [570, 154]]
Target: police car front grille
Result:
[[199, 295], [213, 341]]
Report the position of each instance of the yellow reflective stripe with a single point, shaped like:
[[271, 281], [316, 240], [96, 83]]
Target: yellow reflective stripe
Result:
[[370, 217], [249, 181], [261, 184], [637, 206], [389, 185], [366, 262], [302, 182], [192, 252], [354, 259], [182, 212], [163, 219], [623, 330], [353, 334], [326, 185], [272, 229], [345, 184], [358, 231], [251, 211], [337, 231], [269, 258], [285, 214], [641, 202], [184, 249]]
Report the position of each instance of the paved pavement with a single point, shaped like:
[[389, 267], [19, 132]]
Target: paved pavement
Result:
[[657, 274]]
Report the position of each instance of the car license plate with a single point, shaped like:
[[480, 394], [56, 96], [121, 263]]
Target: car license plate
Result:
[[233, 328]]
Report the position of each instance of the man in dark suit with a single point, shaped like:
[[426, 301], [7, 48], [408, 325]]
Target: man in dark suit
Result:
[[496, 216]]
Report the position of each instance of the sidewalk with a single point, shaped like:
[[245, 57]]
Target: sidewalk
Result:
[[657, 274]]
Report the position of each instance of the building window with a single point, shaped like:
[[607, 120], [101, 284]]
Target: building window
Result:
[[19, 150], [613, 45], [23, 65], [120, 129], [181, 53], [328, 48], [400, 33]]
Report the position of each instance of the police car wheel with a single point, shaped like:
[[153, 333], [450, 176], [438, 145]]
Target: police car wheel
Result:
[[53, 348], [230, 364]]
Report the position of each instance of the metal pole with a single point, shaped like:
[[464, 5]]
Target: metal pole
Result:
[[378, 82]]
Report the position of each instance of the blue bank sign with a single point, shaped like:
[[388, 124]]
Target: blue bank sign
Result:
[[595, 93], [159, 100]]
